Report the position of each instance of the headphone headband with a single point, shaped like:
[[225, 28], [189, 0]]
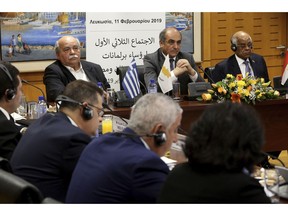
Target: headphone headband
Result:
[[87, 113], [10, 93]]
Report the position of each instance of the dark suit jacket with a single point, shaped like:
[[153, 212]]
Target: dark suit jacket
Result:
[[48, 152], [230, 66], [117, 169], [57, 76], [9, 136], [186, 185], [153, 63]]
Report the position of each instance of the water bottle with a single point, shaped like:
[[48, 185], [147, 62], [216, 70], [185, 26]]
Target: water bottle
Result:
[[152, 88], [41, 106]]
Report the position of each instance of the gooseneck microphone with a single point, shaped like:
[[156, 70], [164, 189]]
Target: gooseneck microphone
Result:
[[28, 83], [274, 158], [106, 106], [209, 77]]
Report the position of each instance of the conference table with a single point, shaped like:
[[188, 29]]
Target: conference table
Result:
[[273, 113]]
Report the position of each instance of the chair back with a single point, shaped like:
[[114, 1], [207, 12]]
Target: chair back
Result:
[[283, 89], [14, 189], [121, 71], [5, 165]]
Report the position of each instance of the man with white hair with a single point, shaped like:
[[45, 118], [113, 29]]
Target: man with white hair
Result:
[[69, 67]]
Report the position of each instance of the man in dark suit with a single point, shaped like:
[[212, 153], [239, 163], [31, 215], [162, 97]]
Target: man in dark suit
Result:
[[69, 67], [10, 97], [185, 69], [126, 167], [50, 148], [241, 45]]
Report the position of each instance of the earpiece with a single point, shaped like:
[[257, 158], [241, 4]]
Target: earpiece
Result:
[[159, 138], [10, 93], [233, 47], [87, 112]]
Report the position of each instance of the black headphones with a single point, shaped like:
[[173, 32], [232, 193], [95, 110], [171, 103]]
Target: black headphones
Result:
[[159, 138], [87, 112], [233, 47], [10, 93]]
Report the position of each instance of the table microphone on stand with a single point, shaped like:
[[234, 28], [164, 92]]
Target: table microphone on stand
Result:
[[28, 83]]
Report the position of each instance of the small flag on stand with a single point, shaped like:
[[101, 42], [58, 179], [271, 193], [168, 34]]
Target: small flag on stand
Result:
[[285, 69], [130, 82], [164, 78]]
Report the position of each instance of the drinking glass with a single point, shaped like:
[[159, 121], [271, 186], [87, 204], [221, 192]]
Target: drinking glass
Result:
[[176, 91], [22, 109], [107, 124], [271, 184]]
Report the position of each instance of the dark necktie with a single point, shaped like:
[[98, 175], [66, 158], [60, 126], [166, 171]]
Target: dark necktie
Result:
[[171, 64], [247, 68]]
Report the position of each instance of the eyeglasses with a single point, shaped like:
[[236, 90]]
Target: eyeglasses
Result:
[[68, 49], [172, 42], [101, 111]]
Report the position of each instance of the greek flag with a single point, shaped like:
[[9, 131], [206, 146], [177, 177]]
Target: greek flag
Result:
[[130, 82]]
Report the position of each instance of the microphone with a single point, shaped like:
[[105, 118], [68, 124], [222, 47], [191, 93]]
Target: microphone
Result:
[[209, 77], [28, 83], [106, 106]]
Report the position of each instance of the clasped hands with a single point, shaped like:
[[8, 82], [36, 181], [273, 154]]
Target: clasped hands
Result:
[[182, 66]]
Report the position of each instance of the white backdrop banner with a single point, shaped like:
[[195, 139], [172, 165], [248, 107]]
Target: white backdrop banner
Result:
[[114, 39]]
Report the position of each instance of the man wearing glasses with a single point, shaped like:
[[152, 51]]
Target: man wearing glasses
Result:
[[243, 61], [182, 65], [50, 148], [69, 67]]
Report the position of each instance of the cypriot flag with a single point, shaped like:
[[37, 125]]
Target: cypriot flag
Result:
[[164, 78]]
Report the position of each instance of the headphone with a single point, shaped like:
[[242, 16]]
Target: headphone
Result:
[[159, 138], [87, 112], [10, 93], [233, 47]]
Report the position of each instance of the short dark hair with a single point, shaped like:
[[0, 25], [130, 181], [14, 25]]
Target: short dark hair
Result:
[[80, 90], [227, 136], [5, 81]]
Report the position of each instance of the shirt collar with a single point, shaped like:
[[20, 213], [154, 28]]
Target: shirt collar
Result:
[[5, 113]]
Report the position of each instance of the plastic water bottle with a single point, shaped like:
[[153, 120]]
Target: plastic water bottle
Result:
[[41, 106], [152, 88]]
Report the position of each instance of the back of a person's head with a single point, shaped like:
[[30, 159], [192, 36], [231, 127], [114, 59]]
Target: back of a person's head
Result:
[[5, 80], [227, 136], [151, 109], [80, 90]]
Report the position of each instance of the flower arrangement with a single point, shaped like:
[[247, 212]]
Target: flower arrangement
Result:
[[239, 89]]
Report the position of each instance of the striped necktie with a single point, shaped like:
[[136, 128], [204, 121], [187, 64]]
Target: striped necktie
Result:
[[247, 68]]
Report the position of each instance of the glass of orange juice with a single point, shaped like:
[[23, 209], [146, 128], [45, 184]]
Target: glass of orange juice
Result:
[[107, 125]]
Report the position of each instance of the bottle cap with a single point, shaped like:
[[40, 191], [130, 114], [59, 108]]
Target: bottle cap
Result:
[[41, 98]]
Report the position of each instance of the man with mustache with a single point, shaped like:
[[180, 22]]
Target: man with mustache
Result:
[[69, 67], [242, 61]]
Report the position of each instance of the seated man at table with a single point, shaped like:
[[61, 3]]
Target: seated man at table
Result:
[[69, 67], [222, 146], [125, 167], [242, 61], [50, 148], [10, 97], [182, 65]]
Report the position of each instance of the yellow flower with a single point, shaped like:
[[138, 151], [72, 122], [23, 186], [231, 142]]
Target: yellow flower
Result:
[[241, 83], [277, 93], [210, 91], [231, 85], [222, 90], [266, 84], [206, 96]]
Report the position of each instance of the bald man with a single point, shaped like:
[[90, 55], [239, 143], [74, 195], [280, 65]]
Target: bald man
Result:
[[241, 45], [69, 67]]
